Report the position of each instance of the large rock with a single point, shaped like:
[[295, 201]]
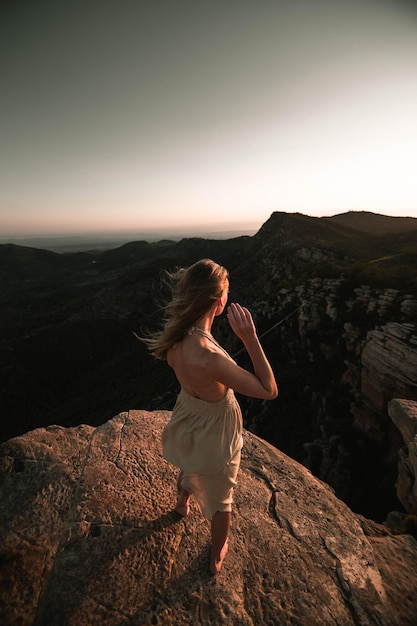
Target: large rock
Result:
[[404, 415], [89, 538], [389, 362], [388, 370]]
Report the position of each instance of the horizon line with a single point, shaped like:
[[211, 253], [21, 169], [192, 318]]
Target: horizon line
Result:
[[178, 231]]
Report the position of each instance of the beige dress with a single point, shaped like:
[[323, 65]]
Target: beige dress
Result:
[[204, 439]]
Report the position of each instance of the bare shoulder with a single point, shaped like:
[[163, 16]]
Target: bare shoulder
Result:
[[191, 354], [202, 356], [215, 361]]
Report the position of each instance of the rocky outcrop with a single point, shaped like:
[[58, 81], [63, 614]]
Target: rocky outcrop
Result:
[[89, 537], [404, 415], [389, 367]]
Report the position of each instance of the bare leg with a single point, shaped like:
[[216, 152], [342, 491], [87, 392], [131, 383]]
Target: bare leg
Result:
[[182, 506], [220, 526]]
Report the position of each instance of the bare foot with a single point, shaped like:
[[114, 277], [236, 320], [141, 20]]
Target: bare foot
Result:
[[216, 563], [183, 506]]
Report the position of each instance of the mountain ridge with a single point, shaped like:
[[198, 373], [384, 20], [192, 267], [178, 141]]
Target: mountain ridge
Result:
[[375, 223], [365, 221], [67, 339]]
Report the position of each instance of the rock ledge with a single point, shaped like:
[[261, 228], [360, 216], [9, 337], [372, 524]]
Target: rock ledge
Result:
[[88, 537]]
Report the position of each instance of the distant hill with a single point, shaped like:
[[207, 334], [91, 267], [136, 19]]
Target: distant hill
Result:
[[374, 223]]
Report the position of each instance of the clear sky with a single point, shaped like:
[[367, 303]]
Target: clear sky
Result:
[[134, 114]]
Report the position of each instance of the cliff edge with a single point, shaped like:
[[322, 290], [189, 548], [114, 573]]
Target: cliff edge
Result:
[[88, 537]]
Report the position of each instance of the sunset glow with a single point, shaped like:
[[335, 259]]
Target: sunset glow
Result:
[[125, 116]]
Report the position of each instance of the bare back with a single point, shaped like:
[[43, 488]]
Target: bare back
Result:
[[192, 361]]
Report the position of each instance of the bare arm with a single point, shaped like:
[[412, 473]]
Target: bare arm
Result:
[[242, 325], [261, 383]]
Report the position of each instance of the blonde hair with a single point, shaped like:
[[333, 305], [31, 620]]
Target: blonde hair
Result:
[[194, 291]]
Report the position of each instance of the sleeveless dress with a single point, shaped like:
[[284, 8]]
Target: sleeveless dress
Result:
[[204, 439]]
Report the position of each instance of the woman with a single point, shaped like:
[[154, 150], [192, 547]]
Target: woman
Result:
[[204, 435]]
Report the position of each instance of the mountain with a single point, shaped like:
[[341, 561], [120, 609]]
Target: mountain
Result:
[[336, 306], [375, 223]]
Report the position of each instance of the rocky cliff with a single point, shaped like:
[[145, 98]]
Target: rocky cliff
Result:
[[88, 537], [343, 355], [404, 415]]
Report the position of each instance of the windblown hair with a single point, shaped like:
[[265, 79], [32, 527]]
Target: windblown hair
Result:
[[194, 291]]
